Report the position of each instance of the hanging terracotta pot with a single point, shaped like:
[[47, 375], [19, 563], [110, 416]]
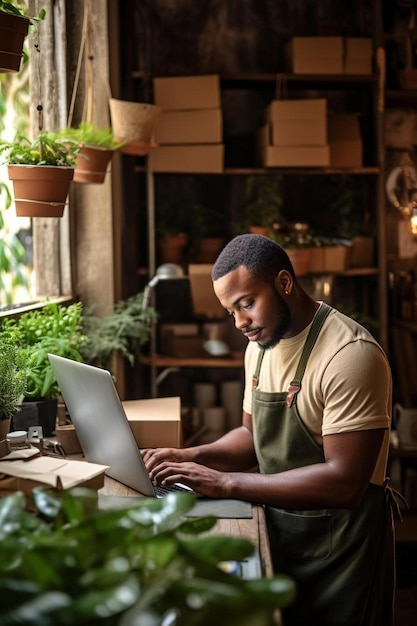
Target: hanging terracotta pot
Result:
[[40, 190], [91, 165], [13, 30], [134, 124]]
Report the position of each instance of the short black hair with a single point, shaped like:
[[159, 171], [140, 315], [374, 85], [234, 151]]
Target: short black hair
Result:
[[262, 257]]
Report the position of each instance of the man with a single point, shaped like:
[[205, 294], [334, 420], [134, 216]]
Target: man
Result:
[[316, 420]]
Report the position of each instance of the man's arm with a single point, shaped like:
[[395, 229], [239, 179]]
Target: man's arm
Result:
[[339, 482], [232, 452]]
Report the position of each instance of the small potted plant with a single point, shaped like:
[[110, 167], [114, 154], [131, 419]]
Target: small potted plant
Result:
[[12, 380], [52, 329], [14, 27], [263, 203], [125, 330], [97, 146], [41, 172]]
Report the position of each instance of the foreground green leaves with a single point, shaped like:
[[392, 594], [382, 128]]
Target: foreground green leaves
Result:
[[74, 564]]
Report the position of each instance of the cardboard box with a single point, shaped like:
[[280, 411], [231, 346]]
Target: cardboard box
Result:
[[296, 133], [358, 55], [296, 156], [182, 93], [44, 471], [315, 55], [183, 346], [155, 422], [190, 127], [205, 301], [200, 159], [296, 123], [345, 140], [362, 252], [301, 109]]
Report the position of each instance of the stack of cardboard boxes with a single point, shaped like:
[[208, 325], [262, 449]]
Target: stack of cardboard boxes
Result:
[[189, 133], [329, 55], [295, 134]]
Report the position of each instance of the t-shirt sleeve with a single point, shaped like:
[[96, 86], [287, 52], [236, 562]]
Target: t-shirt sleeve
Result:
[[356, 389]]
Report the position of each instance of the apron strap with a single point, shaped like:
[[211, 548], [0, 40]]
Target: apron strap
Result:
[[318, 321]]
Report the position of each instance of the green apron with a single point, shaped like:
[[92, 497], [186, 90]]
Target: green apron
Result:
[[341, 560]]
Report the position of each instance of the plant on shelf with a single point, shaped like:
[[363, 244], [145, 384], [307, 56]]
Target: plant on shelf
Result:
[[52, 329], [263, 203], [41, 171], [12, 380], [69, 562], [97, 146], [208, 232], [126, 330]]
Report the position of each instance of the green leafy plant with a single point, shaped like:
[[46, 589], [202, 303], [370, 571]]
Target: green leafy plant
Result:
[[91, 135], [46, 149], [144, 564], [52, 329], [12, 253], [126, 330], [263, 201], [13, 9], [12, 376]]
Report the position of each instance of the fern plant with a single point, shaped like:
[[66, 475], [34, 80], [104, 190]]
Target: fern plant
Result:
[[12, 376], [126, 330]]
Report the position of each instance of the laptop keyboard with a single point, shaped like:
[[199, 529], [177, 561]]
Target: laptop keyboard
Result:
[[176, 488]]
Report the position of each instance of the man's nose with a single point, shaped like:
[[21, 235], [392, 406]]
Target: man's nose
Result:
[[242, 320]]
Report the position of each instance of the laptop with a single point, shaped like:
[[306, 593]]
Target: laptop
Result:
[[102, 427]]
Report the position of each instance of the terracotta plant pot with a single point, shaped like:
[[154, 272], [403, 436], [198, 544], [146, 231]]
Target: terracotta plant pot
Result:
[[40, 190], [209, 249], [134, 123], [171, 248], [300, 259], [13, 30], [91, 165]]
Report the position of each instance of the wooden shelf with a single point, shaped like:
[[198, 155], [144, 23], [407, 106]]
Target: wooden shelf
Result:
[[171, 361], [296, 171]]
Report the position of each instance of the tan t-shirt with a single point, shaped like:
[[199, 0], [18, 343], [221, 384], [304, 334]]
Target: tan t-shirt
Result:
[[347, 384]]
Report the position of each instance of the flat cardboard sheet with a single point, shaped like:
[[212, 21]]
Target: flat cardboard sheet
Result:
[[53, 472]]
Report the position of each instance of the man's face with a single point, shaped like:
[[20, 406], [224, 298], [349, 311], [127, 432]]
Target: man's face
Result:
[[259, 310]]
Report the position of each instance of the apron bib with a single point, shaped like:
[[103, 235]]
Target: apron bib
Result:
[[341, 560]]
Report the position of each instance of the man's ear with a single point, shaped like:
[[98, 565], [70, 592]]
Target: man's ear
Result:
[[284, 283]]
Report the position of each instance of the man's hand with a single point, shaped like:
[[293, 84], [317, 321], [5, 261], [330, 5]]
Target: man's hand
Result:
[[204, 480]]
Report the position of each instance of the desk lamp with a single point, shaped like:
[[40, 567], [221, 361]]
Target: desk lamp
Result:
[[166, 271]]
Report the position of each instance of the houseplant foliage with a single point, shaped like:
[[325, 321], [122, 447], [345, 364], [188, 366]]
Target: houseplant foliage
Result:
[[53, 329], [97, 146], [263, 201], [126, 330], [12, 376], [12, 253], [74, 564], [41, 171]]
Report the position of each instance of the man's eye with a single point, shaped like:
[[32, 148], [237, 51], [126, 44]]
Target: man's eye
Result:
[[247, 306]]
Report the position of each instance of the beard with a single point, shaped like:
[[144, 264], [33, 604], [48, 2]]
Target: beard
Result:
[[283, 322]]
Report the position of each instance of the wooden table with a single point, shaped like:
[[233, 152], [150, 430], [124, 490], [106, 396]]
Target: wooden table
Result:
[[253, 528]]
